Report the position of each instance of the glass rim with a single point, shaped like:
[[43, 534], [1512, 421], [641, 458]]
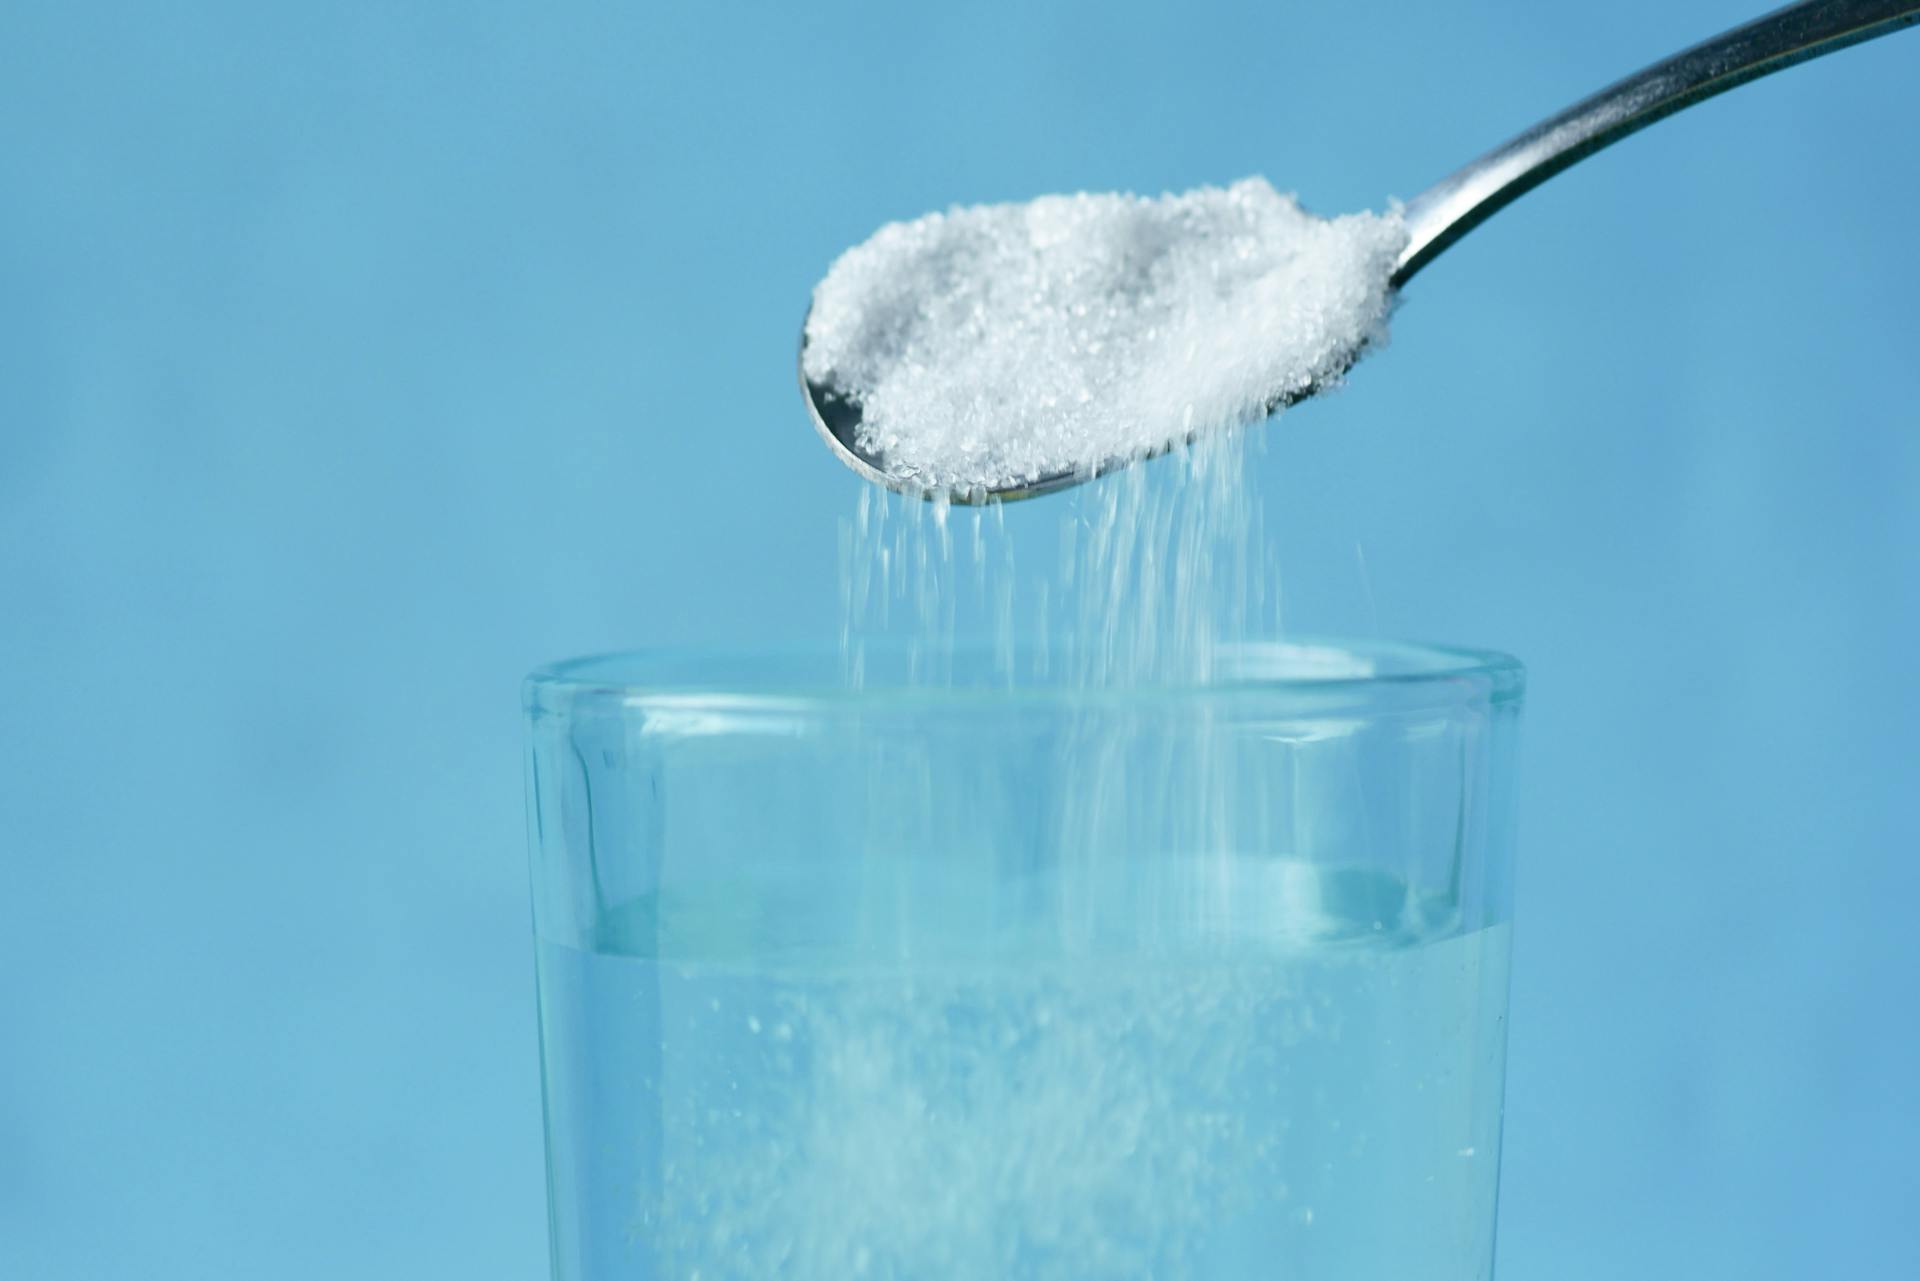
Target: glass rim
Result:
[[1310, 673]]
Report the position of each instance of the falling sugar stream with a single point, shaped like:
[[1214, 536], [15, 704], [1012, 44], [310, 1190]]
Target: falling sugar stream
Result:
[[1142, 577]]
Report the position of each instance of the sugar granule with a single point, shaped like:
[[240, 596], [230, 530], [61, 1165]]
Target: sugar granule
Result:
[[997, 345]]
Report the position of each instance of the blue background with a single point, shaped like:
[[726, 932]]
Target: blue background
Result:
[[354, 358]]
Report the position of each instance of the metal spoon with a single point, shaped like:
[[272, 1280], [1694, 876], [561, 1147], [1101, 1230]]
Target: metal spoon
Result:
[[1464, 199]]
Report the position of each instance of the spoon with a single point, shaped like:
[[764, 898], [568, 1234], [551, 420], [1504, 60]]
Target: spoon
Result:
[[1464, 199]]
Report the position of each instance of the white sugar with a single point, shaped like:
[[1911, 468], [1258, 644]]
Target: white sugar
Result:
[[1000, 344]]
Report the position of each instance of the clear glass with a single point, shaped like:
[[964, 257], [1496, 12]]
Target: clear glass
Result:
[[1020, 983]]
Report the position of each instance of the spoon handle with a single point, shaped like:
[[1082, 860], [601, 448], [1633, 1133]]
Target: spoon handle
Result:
[[1461, 201]]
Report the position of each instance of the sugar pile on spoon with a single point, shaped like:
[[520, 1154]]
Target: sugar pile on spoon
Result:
[[996, 346]]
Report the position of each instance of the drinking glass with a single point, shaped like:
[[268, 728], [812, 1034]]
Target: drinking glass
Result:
[[1002, 980]]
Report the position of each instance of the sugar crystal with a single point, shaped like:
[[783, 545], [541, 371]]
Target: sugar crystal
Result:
[[997, 345]]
